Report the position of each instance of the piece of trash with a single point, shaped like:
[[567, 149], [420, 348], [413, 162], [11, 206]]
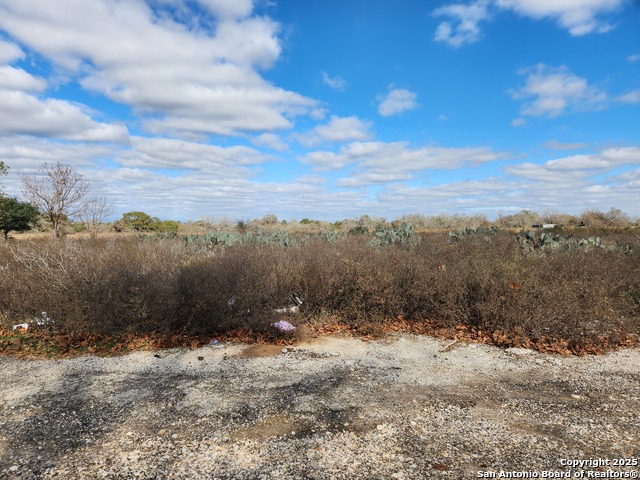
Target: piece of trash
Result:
[[232, 301], [44, 320], [25, 326], [156, 355], [296, 299], [283, 326], [216, 344], [200, 358], [294, 309]]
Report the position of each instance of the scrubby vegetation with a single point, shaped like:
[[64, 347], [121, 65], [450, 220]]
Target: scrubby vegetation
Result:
[[482, 285]]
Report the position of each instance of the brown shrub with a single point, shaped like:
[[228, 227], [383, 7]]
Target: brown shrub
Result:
[[155, 285]]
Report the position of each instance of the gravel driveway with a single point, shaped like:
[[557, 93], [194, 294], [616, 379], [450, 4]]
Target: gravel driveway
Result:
[[405, 407]]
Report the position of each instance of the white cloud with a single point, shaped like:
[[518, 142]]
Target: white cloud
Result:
[[634, 58], [167, 153], [323, 161], [23, 113], [379, 162], [630, 97], [26, 114], [472, 196], [580, 17], [180, 78], [518, 122], [10, 52], [12, 78], [337, 82], [572, 184], [229, 8], [270, 140], [396, 101], [339, 129], [466, 18], [578, 166], [555, 145], [30, 153], [221, 181], [550, 92], [564, 192]]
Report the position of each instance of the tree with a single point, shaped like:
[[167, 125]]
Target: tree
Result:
[[95, 211], [167, 226], [16, 216], [3, 171], [138, 221], [57, 191]]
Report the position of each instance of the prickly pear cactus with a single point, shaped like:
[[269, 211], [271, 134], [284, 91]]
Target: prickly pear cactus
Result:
[[483, 232], [531, 242], [388, 235]]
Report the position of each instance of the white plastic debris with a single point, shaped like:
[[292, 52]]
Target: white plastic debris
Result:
[[44, 320], [283, 326], [296, 299], [25, 326], [294, 309]]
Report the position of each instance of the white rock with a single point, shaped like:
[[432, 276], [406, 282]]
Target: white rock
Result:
[[520, 351]]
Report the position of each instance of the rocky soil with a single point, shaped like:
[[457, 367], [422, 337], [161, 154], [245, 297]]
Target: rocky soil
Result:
[[406, 407]]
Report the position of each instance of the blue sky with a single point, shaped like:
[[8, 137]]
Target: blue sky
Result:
[[190, 109]]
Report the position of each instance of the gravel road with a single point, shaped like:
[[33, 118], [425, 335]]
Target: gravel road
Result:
[[405, 407]]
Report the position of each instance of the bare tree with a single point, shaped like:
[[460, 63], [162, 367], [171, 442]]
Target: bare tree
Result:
[[95, 211], [58, 191], [3, 171]]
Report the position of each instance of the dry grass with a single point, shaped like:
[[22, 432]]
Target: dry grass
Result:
[[151, 286]]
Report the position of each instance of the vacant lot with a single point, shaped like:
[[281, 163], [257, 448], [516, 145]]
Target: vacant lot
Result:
[[577, 290], [405, 407]]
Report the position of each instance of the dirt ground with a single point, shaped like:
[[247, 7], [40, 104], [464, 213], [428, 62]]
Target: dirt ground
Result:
[[335, 407]]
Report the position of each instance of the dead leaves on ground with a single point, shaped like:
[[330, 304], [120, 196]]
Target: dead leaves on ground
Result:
[[47, 343]]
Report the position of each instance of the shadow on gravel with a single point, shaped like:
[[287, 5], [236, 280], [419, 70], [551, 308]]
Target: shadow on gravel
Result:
[[77, 414]]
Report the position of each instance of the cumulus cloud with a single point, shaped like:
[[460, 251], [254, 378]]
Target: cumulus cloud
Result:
[[338, 129], [481, 196], [181, 79], [634, 58], [494, 195], [577, 165], [463, 26], [229, 8], [380, 162], [12, 78], [579, 17], [551, 91], [9, 52], [396, 101], [167, 153], [337, 82], [272, 141], [25, 114]]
